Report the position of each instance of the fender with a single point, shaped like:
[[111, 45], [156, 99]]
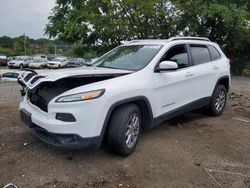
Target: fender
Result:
[[149, 118], [221, 78]]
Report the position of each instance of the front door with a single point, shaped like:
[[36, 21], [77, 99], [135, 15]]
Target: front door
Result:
[[174, 89]]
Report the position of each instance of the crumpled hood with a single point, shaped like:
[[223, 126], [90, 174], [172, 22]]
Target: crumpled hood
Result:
[[31, 80]]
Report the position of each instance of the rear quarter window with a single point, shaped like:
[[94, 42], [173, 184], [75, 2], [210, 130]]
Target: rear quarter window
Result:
[[200, 54], [214, 53]]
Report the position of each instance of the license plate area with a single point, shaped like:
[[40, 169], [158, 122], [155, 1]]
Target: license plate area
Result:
[[26, 117]]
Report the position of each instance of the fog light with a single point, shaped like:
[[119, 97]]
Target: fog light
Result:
[[66, 117]]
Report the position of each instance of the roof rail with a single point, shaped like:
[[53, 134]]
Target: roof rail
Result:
[[146, 40], [188, 38]]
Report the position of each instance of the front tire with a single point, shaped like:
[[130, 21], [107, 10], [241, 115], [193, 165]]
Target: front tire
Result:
[[218, 101], [21, 66], [125, 129]]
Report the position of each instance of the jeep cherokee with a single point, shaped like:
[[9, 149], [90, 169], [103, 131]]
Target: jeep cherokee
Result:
[[135, 86]]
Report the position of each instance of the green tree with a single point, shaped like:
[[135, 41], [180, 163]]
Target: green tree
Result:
[[18, 47], [225, 22], [6, 42], [6, 51], [102, 24]]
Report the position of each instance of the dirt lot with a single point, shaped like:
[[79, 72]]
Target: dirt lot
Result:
[[193, 150]]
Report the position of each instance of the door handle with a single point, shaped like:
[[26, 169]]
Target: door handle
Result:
[[189, 74], [215, 68]]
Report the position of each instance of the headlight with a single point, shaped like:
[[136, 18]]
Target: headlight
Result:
[[81, 96]]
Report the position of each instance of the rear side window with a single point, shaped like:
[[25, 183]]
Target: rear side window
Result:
[[214, 53], [200, 54]]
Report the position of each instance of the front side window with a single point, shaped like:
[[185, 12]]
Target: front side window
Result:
[[177, 54], [200, 54], [134, 57]]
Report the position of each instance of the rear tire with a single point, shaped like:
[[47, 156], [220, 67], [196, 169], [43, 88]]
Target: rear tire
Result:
[[125, 129], [218, 101]]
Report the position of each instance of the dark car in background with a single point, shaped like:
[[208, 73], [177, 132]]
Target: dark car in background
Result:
[[75, 62], [3, 61], [9, 76]]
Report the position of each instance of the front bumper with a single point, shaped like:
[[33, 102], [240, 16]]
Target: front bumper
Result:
[[53, 66], [12, 65], [66, 141], [34, 66], [85, 132]]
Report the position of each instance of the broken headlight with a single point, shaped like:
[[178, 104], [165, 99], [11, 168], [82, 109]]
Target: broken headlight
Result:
[[81, 96]]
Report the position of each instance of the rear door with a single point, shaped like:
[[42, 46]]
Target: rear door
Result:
[[204, 71]]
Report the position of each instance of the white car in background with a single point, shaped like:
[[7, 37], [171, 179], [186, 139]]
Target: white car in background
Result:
[[38, 63], [58, 62], [20, 62]]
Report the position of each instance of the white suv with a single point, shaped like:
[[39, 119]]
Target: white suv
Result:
[[135, 86], [20, 62]]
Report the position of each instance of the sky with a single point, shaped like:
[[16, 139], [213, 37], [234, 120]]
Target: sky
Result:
[[24, 16]]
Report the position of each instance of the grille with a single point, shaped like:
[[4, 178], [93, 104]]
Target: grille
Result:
[[44, 133]]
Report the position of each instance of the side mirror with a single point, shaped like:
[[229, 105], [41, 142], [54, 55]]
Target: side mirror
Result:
[[166, 65]]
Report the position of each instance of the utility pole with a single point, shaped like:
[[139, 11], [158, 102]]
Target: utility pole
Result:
[[55, 50], [24, 44]]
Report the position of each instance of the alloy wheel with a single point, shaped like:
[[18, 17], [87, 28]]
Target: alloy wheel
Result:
[[133, 128], [220, 100]]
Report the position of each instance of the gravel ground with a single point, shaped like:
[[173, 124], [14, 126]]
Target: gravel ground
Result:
[[193, 150]]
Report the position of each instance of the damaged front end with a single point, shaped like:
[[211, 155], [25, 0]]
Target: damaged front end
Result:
[[41, 89], [25, 76]]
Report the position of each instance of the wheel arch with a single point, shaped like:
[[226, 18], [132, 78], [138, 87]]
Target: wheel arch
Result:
[[224, 80], [142, 102]]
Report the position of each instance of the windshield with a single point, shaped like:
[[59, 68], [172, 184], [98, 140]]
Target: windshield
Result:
[[19, 58], [58, 59], [134, 57], [37, 61]]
